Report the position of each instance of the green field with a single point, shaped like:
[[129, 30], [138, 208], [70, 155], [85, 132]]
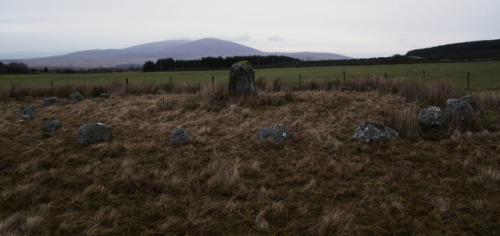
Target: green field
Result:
[[483, 75]]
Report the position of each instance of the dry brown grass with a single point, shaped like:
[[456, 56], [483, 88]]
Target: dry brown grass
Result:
[[224, 181]]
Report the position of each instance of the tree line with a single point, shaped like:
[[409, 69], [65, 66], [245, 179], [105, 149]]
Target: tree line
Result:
[[14, 68], [169, 64]]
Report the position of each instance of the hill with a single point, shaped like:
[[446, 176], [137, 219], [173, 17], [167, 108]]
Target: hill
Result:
[[176, 49], [486, 49]]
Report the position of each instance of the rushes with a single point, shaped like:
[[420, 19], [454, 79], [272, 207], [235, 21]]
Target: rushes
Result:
[[404, 120]]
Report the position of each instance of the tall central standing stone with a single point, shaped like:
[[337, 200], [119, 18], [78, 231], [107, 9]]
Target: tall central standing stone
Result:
[[241, 78]]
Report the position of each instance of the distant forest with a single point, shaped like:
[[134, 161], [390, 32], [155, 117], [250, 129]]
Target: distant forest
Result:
[[468, 51], [169, 64], [487, 49]]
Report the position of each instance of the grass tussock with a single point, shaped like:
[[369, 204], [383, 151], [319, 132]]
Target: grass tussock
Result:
[[224, 181]]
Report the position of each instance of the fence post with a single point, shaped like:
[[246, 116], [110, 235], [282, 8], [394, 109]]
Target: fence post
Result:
[[468, 80], [300, 80], [213, 80], [126, 85], [385, 75]]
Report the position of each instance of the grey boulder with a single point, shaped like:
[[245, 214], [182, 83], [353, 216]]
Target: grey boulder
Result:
[[371, 131], [27, 110], [104, 95], [278, 133], [178, 136], [432, 117], [93, 132], [52, 125], [241, 78], [476, 106], [50, 101], [76, 97], [26, 113], [26, 118], [459, 109]]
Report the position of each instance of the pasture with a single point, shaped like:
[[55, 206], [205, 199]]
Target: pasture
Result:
[[483, 75]]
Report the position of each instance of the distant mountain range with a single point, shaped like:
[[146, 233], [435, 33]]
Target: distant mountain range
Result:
[[176, 49]]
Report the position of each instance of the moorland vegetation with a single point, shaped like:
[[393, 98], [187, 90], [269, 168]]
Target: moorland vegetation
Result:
[[224, 181]]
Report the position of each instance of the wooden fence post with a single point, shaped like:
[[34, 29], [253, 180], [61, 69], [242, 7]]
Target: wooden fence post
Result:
[[213, 80], [126, 85], [423, 76], [468, 80]]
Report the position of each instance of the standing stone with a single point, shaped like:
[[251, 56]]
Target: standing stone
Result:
[[432, 117], [278, 133], [76, 97], [50, 101], [371, 131], [241, 78], [178, 136], [476, 106], [460, 109], [52, 125], [93, 132]]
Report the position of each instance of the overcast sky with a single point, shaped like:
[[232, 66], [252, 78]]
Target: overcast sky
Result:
[[356, 28]]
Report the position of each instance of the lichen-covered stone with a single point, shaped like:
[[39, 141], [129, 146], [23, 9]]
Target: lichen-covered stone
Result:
[[178, 136], [76, 97], [278, 133], [27, 110], [241, 78], [432, 117], [477, 108], [50, 101], [371, 131], [104, 95], [93, 132], [459, 109], [26, 118], [52, 125]]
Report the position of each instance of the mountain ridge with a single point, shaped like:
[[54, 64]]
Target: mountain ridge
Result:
[[176, 49]]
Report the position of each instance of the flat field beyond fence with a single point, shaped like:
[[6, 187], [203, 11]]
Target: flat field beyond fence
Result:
[[483, 75]]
